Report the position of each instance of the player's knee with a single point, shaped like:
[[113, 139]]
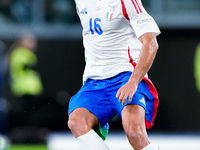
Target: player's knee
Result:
[[72, 124], [77, 125], [135, 134]]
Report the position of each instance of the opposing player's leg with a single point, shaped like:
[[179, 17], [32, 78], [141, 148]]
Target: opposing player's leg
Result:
[[81, 123], [133, 120]]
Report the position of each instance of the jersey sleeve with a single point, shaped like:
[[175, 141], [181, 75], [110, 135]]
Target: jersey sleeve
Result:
[[140, 20]]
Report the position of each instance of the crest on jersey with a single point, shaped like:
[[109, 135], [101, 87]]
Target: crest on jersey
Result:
[[110, 12]]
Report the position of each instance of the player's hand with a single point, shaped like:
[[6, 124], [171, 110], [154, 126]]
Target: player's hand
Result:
[[127, 90]]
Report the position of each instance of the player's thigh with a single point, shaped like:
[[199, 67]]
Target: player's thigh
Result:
[[133, 118]]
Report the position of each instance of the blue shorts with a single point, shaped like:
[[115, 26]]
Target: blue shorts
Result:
[[99, 97]]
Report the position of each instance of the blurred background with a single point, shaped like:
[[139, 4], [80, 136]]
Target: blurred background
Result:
[[35, 91]]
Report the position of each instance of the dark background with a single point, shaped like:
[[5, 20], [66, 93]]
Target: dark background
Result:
[[61, 64]]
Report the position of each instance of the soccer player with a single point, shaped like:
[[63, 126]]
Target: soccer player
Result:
[[120, 44]]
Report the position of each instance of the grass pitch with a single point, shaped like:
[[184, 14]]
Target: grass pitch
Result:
[[27, 147]]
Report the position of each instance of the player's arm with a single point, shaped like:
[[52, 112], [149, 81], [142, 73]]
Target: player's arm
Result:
[[146, 58]]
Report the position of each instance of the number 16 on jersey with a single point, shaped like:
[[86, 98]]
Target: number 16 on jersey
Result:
[[95, 26]]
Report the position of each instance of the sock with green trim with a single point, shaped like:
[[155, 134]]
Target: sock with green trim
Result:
[[103, 131], [91, 141]]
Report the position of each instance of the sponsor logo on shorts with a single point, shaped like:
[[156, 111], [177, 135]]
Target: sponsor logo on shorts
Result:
[[143, 101]]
